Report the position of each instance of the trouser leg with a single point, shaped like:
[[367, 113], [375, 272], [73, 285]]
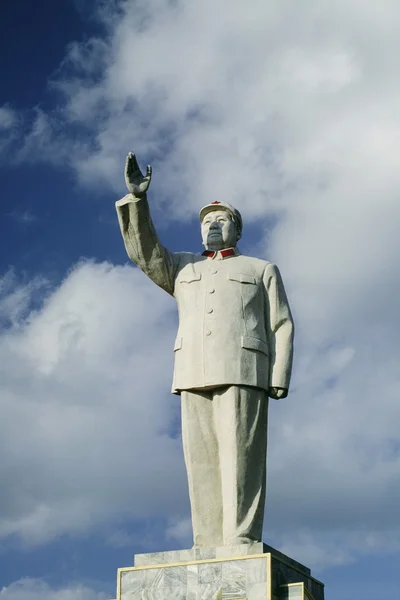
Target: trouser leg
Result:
[[200, 449], [240, 417]]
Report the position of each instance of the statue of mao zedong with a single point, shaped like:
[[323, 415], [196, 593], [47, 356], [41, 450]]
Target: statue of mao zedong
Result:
[[233, 352]]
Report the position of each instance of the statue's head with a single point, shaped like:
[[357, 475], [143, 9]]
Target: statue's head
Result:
[[221, 225]]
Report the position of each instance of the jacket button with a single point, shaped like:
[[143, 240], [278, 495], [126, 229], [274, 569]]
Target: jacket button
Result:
[[212, 290], [214, 272], [210, 310], [208, 332]]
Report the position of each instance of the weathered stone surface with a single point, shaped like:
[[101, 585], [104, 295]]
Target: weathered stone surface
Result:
[[193, 554], [245, 572]]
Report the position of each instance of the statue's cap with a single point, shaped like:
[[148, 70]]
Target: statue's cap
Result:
[[223, 206]]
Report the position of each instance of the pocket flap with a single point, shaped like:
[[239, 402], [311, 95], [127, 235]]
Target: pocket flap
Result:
[[178, 344], [189, 277], [241, 278], [252, 343]]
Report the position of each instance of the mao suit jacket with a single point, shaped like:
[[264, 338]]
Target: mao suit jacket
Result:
[[235, 325]]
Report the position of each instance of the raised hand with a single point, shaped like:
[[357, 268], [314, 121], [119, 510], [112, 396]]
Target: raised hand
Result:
[[136, 182]]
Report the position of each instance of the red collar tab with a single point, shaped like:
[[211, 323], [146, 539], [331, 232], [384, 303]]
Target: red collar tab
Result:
[[227, 252], [216, 202], [224, 253]]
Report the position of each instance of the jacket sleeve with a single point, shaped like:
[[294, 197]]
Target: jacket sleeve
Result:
[[280, 328], [142, 243]]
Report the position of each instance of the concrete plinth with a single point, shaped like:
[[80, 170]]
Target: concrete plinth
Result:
[[246, 572]]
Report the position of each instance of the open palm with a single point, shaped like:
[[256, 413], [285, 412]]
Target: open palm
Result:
[[136, 182]]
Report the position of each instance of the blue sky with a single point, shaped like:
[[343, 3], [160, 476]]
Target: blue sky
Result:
[[288, 112]]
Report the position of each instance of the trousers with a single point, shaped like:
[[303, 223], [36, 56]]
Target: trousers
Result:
[[224, 434]]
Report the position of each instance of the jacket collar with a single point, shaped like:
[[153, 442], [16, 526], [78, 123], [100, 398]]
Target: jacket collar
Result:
[[221, 254]]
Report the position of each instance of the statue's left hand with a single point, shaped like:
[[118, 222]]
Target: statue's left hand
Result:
[[277, 393]]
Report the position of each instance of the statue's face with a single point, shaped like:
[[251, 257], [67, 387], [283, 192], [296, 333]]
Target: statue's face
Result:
[[218, 230]]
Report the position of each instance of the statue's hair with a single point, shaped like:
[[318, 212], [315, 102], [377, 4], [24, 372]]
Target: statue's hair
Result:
[[239, 225]]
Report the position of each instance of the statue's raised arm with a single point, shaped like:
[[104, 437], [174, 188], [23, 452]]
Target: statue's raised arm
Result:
[[140, 237]]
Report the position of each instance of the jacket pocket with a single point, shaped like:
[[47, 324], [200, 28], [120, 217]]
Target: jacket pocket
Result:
[[189, 277], [242, 278], [252, 343], [178, 343]]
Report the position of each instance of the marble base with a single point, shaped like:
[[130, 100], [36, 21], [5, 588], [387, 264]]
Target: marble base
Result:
[[245, 572]]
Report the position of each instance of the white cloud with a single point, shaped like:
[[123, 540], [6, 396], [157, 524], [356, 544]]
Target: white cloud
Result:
[[8, 117], [290, 111], [181, 531], [250, 101], [37, 589], [24, 218], [86, 414], [8, 132]]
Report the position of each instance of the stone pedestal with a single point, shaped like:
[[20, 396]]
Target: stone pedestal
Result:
[[246, 572]]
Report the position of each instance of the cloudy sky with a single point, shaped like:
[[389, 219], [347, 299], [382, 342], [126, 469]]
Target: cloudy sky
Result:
[[290, 111]]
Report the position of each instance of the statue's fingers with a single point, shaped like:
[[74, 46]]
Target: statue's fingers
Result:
[[128, 164], [149, 171], [135, 166]]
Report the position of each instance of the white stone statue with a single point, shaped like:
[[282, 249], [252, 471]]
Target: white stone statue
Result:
[[233, 350]]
